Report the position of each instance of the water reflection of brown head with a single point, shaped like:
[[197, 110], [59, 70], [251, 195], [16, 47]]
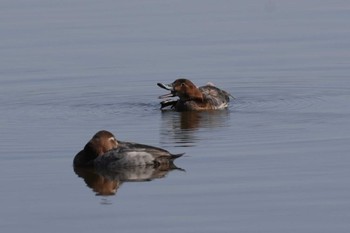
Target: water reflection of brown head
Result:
[[181, 127], [99, 184], [192, 120]]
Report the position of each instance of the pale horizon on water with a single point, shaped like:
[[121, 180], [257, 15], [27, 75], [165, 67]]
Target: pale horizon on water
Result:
[[277, 160]]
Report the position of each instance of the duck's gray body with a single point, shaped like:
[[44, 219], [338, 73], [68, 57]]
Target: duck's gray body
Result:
[[129, 154]]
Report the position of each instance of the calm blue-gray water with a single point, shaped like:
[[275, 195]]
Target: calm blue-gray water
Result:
[[277, 160]]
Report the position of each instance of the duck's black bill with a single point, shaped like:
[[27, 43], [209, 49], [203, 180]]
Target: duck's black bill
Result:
[[166, 87]]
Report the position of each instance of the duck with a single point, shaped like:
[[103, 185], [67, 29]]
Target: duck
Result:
[[193, 98], [104, 151]]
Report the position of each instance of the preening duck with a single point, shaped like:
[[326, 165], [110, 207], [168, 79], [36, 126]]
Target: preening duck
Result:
[[192, 98]]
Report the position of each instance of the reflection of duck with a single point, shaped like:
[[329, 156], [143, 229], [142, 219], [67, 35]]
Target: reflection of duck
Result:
[[106, 183], [103, 151], [207, 97], [181, 126]]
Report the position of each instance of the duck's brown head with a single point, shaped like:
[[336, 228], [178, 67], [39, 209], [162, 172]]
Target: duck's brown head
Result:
[[99, 144], [183, 88]]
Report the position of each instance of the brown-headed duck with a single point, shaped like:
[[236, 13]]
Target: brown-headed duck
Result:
[[104, 151], [192, 98]]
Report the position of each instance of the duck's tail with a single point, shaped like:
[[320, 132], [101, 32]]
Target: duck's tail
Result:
[[175, 156], [172, 166]]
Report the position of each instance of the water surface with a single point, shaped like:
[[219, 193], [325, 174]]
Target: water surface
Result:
[[275, 161]]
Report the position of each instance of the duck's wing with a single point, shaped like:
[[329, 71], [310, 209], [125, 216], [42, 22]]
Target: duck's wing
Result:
[[133, 154], [110, 157], [169, 102]]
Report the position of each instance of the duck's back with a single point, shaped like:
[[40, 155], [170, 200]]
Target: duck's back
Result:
[[216, 97], [133, 154]]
